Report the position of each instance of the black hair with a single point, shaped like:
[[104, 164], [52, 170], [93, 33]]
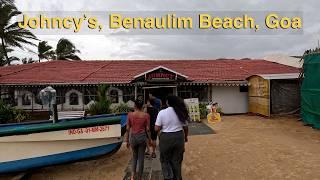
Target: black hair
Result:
[[179, 107], [138, 103], [152, 101]]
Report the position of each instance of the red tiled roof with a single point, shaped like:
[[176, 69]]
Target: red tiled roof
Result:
[[123, 71]]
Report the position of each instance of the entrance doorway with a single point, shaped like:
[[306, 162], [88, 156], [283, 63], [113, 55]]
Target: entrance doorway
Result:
[[159, 92]]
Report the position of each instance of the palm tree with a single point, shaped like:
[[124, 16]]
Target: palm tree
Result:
[[3, 60], [11, 34], [45, 51], [27, 60], [66, 50], [6, 1]]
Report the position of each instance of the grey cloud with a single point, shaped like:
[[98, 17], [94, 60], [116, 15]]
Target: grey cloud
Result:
[[191, 46]]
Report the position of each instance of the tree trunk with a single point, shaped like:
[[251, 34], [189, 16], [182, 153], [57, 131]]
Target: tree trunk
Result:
[[5, 51]]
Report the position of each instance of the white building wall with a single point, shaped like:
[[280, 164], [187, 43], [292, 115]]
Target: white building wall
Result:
[[68, 107], [61, 107], [230, 99]]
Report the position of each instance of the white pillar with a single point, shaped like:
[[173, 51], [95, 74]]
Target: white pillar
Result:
[[175, 91], [135, 91]]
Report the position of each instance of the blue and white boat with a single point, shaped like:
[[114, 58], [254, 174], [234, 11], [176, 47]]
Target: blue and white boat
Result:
[[32, 145]]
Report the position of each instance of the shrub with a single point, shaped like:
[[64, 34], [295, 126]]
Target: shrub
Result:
[[20, 115], [99, 107], [102, 105], [5, 112], [121, 108], [11, 115], [219, 110], [203, 110]]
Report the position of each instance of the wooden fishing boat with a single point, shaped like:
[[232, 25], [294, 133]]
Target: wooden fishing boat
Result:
[[31, 145]]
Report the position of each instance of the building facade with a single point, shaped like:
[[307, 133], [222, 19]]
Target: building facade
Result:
[[76, 83]]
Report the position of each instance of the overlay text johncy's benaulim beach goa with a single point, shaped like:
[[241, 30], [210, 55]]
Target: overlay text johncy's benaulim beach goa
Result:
[[201, 21]]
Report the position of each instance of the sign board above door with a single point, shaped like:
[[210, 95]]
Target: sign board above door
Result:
[[160, 74]]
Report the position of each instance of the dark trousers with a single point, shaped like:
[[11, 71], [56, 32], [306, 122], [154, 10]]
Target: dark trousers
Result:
[[171, 154], [138, 145]]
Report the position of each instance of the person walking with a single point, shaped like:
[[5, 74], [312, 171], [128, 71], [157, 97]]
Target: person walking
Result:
[[138, 126], [173, 124], [157, 101], [153, 113]]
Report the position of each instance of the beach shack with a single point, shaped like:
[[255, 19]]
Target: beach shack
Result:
[[76, 82], [274, 93]]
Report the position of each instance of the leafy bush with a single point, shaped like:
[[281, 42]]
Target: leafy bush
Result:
[[5, 112], [20, 115], [11, 115], [219, 110], [121, 108], [203, 110], [102, 105]]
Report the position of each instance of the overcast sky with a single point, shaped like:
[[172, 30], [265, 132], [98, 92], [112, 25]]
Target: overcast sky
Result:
[[187, 46]]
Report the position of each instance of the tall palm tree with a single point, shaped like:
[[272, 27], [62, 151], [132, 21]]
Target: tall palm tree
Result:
[[3, 60], [66, 50], [6, 1], [45, 51], [10, 33], [27, 60]]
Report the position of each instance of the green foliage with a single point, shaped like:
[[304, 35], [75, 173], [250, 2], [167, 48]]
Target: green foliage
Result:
[[66, 50], [11, 115], [20, 115], [27, 60], [45, 51], [121, 108], [5, 113], [102, 104], [203, 110], [11, 34], [219, 110], [3, 60]]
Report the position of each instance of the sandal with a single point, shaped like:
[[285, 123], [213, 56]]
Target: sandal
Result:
[[147, 153], [154, 155]]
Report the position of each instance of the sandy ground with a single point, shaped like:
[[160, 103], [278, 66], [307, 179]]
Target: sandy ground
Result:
[[251, 147], [245, 147], [104, 168]]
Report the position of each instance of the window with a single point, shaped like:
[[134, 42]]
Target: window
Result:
[[26, 99], [74, 99], [243, 88], [114, 96], [200, 92]]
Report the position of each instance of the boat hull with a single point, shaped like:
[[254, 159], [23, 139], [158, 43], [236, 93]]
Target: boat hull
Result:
[[59, 158], [29, 146]]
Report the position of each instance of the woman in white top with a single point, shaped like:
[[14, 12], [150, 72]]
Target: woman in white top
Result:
[[173, 123]]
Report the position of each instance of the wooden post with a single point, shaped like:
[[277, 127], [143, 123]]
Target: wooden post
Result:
[[55, 113]]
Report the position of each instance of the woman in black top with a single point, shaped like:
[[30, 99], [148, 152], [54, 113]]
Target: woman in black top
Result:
[[153, 112]]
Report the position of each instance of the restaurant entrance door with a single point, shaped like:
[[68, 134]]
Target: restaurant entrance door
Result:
[[160, 92]]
